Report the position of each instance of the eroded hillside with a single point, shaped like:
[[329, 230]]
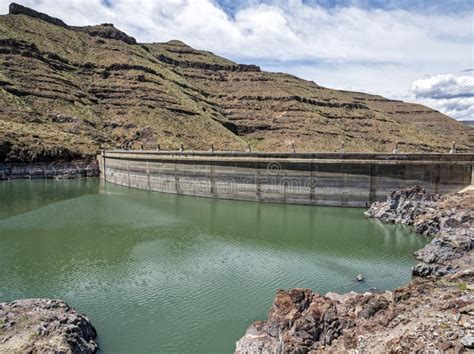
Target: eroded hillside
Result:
[[66, 92]]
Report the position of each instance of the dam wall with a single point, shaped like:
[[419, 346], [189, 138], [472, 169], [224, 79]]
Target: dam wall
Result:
[[337, 179]]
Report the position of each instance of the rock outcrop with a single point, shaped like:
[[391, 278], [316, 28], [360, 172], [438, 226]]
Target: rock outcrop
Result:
[[208, 66], [449, 218], [108, 30], [44, 326], [17, 9], [56, 170], [434, 312], [302, 321], [105, 30]]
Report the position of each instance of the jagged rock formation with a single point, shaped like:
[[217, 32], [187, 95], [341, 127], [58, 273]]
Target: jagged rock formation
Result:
[[44, 326], [450, 218], [300, 321], [76, 89], [434, 312]]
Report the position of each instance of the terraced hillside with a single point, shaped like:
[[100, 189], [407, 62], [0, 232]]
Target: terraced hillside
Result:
[[66, 92]]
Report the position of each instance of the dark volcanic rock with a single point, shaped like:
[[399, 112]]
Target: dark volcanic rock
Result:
[[16, 9], [57, 170], [208, 66], [107, 30], [373, 305], [436, 270], [301, 321], [402, 207], [44, 326], [5, 148], [432, 214]]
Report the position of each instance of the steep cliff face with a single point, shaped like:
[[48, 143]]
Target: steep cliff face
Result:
[[67, 91]]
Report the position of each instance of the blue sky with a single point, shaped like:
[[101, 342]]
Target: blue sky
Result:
[[410, 50], [450, 6]]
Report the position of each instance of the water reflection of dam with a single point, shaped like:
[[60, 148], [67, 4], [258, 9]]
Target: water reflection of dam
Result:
[[349, 179]]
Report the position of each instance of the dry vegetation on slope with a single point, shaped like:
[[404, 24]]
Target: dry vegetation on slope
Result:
[[67, 91]]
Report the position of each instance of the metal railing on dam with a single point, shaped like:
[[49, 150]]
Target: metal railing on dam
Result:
[[339, 179]]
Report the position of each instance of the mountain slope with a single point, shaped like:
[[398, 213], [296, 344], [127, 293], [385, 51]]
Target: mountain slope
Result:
[[67, 91]]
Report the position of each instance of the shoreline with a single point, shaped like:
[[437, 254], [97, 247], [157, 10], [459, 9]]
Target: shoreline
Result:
[[434, 311], [49, 170]]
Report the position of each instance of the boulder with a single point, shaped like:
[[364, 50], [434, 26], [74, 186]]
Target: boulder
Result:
[[44, 326]]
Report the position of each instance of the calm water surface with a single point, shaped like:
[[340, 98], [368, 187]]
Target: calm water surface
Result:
[[164, 273]]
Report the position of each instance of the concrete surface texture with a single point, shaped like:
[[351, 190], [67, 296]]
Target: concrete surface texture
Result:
[[338, 179]]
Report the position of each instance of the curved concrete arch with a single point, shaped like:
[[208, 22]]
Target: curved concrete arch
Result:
[[337, 179]]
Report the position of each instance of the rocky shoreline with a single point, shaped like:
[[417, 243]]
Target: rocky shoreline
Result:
[[56, 170], [447, 218], [435, 311], [44, 326]]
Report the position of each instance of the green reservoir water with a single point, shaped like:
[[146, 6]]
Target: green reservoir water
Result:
[[161, 273]]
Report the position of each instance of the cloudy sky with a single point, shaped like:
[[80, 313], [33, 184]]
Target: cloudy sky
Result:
[[415, 50]]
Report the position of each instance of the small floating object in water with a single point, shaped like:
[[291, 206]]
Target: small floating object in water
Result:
[[360, 277]]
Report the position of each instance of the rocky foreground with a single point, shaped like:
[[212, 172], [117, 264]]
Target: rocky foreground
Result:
[[44, 326], [435, 311]]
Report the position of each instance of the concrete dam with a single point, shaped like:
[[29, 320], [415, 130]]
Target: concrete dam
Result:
[[336, 179]]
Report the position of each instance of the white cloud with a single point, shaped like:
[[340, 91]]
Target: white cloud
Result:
[[444, 87], [380, 51], [286, 31], [452, 95], [458, 108]]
